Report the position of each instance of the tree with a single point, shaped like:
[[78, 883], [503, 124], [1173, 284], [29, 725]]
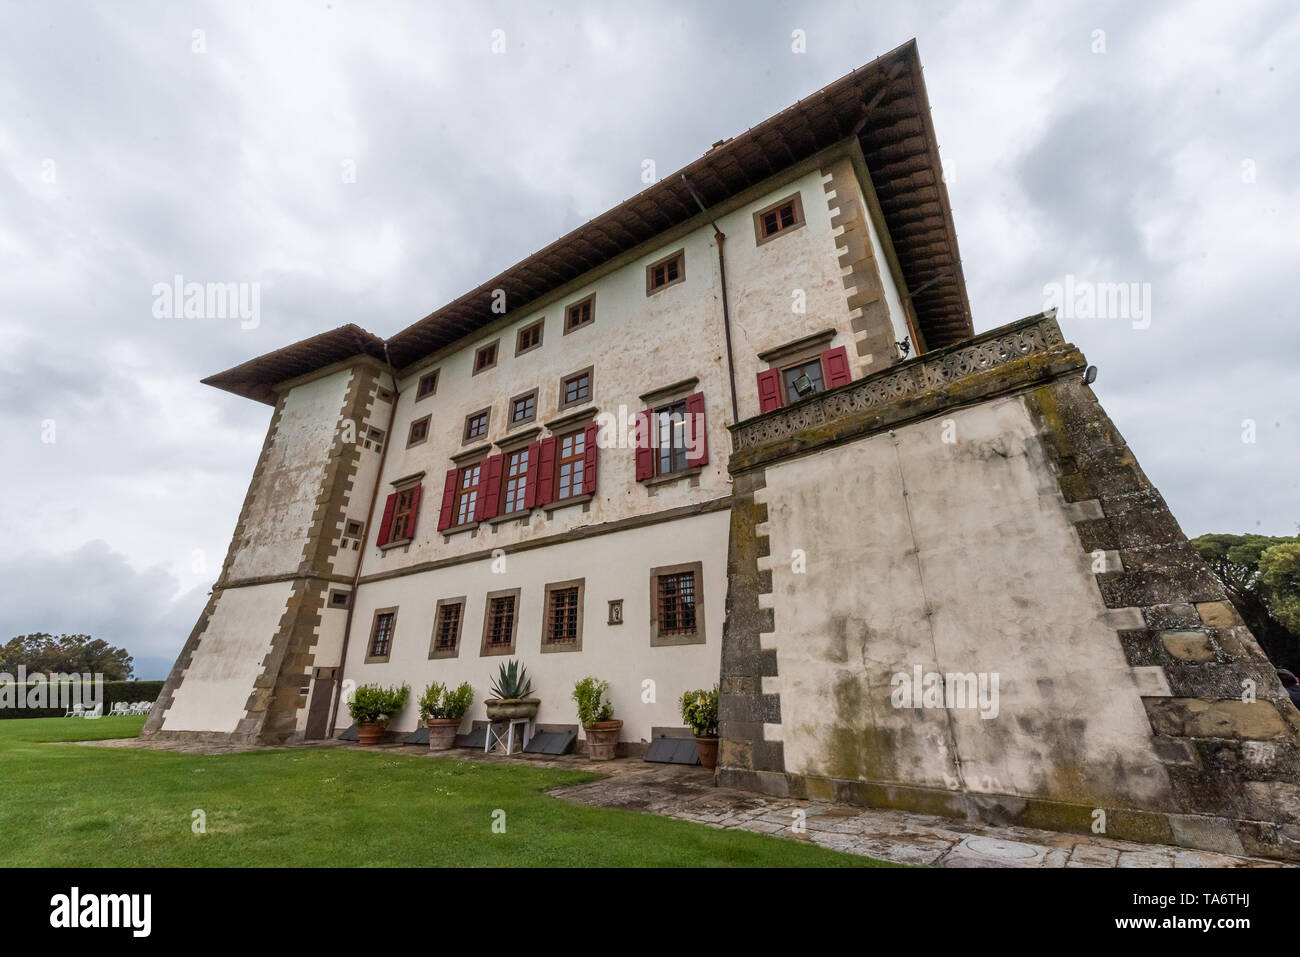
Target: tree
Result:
[[80, 654], [1270, 608]]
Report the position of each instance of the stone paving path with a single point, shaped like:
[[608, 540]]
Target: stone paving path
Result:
[[688, 793]]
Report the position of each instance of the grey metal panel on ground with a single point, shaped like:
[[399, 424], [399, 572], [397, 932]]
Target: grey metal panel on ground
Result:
[[551, 742], [419, 736], [672, 751], [350, 734], [475, 739]]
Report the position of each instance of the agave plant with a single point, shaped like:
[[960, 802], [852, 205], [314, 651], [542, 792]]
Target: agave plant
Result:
[[512, 682]]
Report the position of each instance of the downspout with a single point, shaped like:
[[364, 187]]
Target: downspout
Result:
[[726, 312], [361, 555]]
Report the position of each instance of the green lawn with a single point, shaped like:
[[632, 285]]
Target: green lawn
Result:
[[68, 806]]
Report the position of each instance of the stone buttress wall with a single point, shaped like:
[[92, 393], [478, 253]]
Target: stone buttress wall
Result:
[[973, 515]]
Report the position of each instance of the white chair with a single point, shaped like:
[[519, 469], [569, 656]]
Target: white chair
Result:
[[97, 713], [77, 711], [146, 706], [120, 708]]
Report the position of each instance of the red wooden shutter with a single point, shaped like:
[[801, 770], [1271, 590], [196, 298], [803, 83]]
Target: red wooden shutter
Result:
[[769, 390], [835, 367], [696, 431], [645, 453], [415, 511], [386, 525], [489, 496], [530, 488], [447, 515], [546, 470], [589, 458]]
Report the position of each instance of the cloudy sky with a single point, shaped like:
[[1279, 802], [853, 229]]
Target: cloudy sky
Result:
[[1137, 143]]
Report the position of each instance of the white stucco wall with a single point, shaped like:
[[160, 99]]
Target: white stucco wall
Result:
[[228, 659], [614, 566], [975, 532]]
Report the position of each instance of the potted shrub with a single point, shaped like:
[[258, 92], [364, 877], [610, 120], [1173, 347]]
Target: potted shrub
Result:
[[700, 711], [511, 693], [442, 709], [596, 712], [372, 707]]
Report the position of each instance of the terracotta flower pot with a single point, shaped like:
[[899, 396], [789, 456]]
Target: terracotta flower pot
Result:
[[602, 739], [442, 732], [708, 751], [503, 709], [370, 733]]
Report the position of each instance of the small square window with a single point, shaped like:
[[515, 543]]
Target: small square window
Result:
[[476, 424], [530, 337], [353, 528], [427, 385], [780, 217], [384, 395], [374, 439], [485, 358], [523, 408], [419, 431], [575, 389], [339, 599], [579, 314], [807, 376], [665, 272]]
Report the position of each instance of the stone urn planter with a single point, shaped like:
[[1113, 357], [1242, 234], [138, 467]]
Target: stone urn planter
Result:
[[708, 751], [602, 739], [442, 732], [503, 709], [370, 733]]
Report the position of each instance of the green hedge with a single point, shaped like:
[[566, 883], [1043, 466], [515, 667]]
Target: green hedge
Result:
[[114, 691]]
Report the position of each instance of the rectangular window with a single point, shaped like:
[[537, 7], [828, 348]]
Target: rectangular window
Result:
[[516, 481], [485, 358], [665, 272], [569, 464], [677, 605], [353, 528], [419, 432], [500, 622], [529, 338], [381, 635], [579, 314], [575, 389], [446, 628], [806, 376], [670, 438], [523, 408], [476, 424], [427, 385], [780, 217], [467, 493], [375, 439], [562, 625], [339, 599], [403, 515]]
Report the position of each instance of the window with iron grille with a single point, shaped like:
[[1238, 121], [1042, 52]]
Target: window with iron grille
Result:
[[467, 494], [677, 604], [562, 615], [501, 621], [381, 634], [516, 481], [569, 464], [670, 438], [447, 630]]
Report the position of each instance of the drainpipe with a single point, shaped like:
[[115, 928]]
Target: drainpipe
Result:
[[361, 555], [726, 312]]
